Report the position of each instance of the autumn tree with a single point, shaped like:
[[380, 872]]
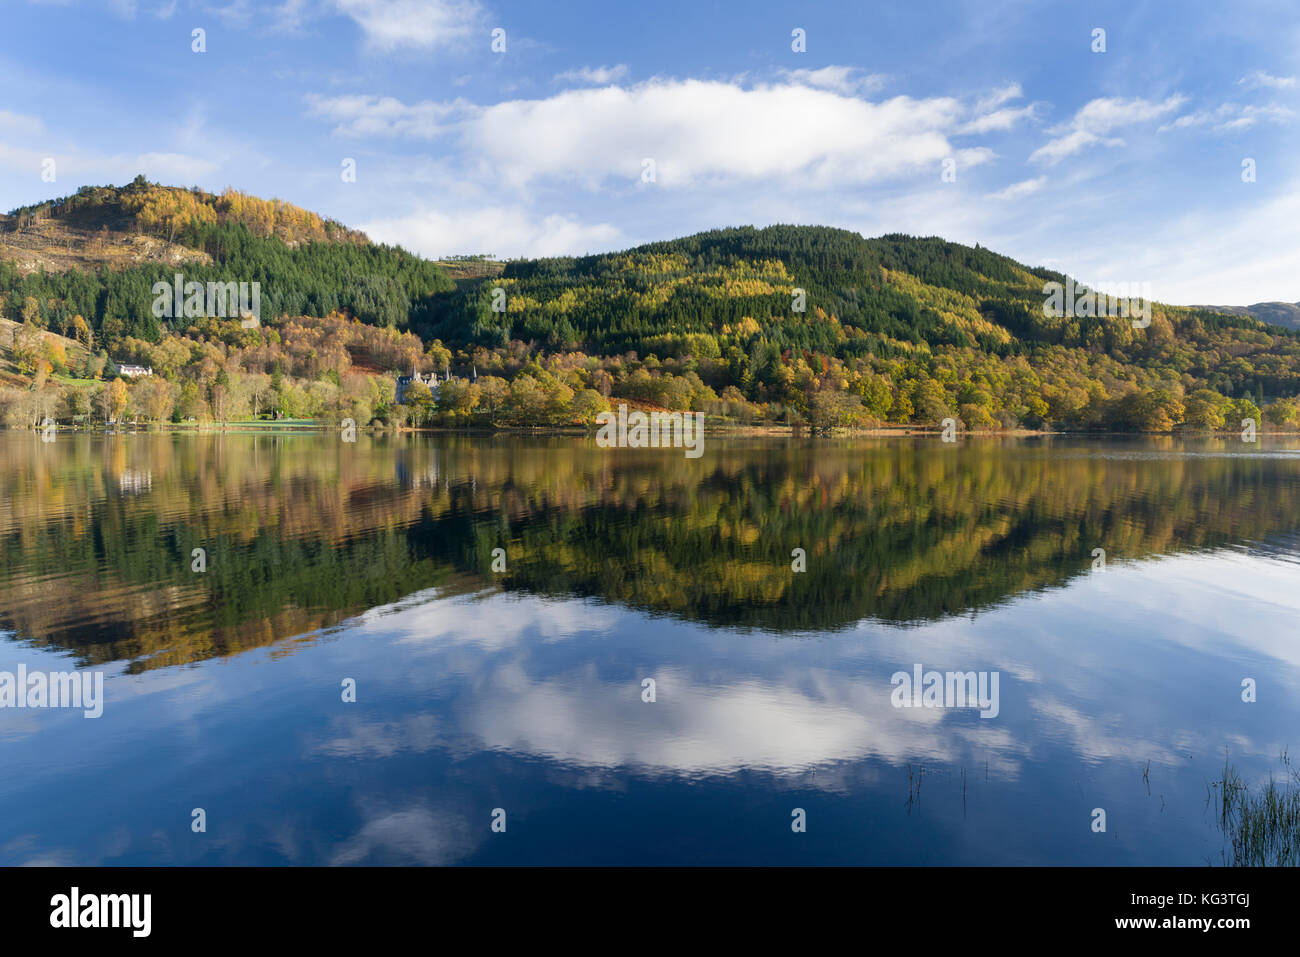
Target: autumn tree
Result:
[[154, 398], [494, 393], [81, 331], [167, 211], [31, 312]]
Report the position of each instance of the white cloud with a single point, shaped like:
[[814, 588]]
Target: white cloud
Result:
[[991, 113], [1005, 94], [698, 131], [1260, 78], [1230, 118], [419, 24], [357, 115], [840, 79], [1098, 117], [1104, 114], [499, 230], [1002, 119], [597, 76], [1023, 188], [974, 156], [1056, 150]]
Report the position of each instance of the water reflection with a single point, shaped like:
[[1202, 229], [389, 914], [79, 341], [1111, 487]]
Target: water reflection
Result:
[[524, 691], [97, 534]]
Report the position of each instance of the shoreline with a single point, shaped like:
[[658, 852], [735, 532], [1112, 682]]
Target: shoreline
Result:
[[717, 430]]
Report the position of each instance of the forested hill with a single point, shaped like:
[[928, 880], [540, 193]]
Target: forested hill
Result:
[[794, 324], [653, 298], [891, 295], [98, 253], [914, 327]]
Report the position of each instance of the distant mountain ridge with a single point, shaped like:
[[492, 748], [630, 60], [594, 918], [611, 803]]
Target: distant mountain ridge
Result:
[[1278, 313]]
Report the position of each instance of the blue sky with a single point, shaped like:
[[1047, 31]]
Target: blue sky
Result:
[[1120, 166]]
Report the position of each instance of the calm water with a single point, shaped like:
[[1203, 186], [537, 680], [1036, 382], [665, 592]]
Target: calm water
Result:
[[476, 689]]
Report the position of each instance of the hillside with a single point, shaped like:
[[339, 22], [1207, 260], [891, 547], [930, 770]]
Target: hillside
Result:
[[50, 246], [12, 371], [787, 324], [1278, 313], [471, 267], [899, 328], [98, 253], [86, 232]]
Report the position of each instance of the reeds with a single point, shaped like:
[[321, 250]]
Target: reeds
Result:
[[1260, 826]]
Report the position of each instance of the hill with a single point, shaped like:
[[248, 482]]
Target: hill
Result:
[[786, 324], [1278, 313], [98, 253], [827, 323], [14, 351]]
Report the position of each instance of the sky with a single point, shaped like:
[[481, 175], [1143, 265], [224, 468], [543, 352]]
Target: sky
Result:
[[552, 128]]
